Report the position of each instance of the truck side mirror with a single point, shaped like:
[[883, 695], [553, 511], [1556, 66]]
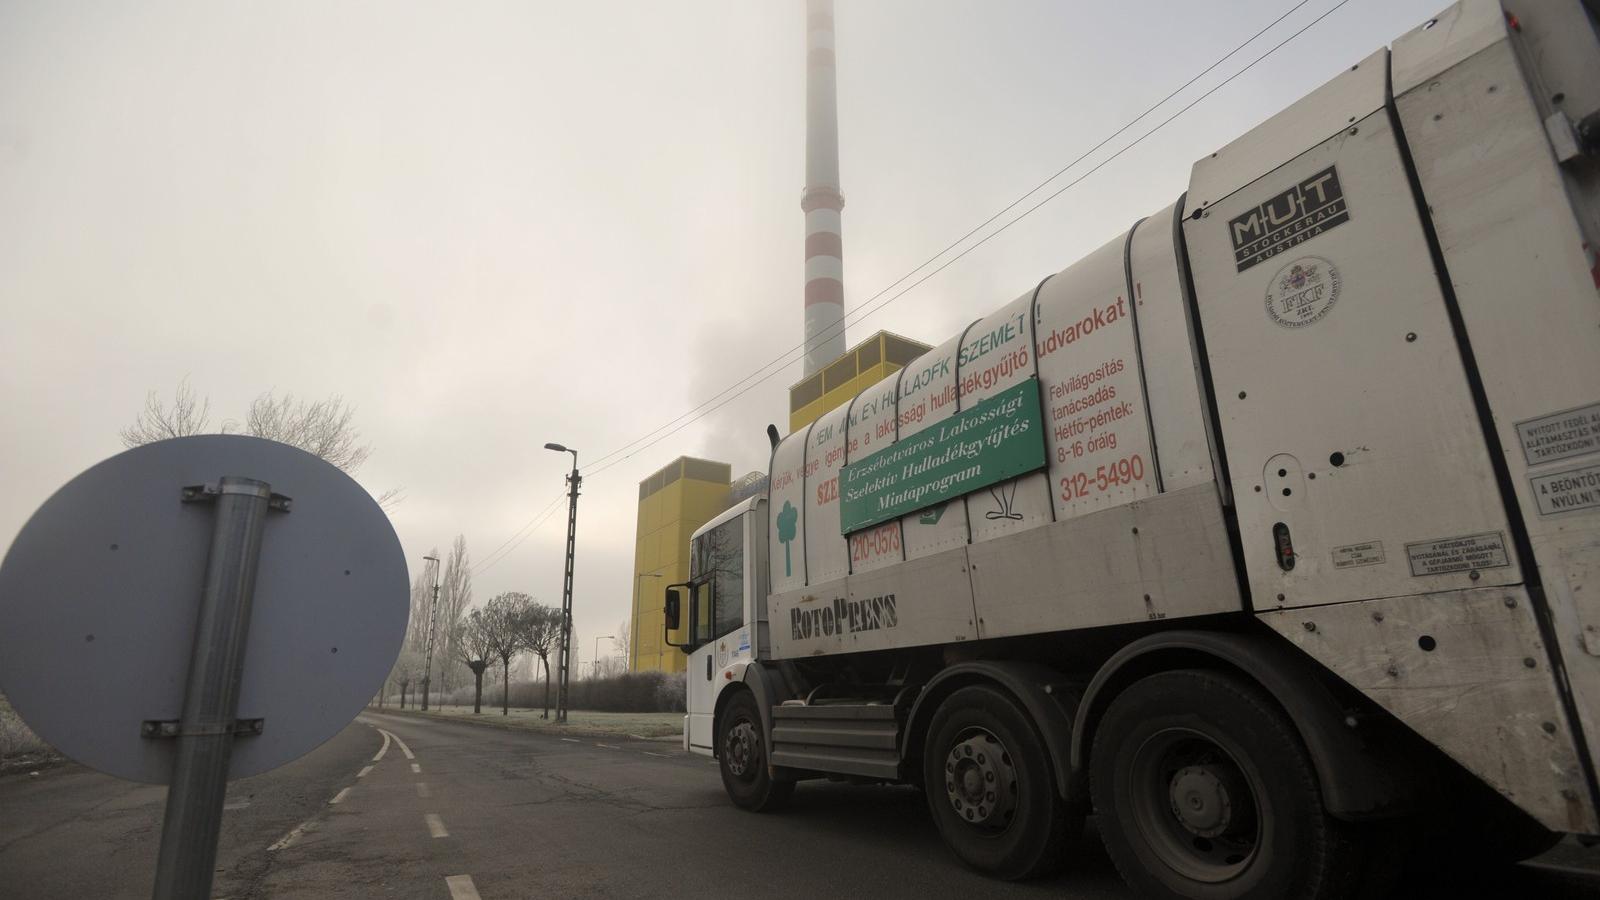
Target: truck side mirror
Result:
[[671, 610], [672, 615]]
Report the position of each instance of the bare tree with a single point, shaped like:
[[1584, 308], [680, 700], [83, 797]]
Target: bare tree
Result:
[[157, 422], [407, 671], [421, 598], [503, 619], [609, 667], [455, 595], [623, 642], [473, 644], [323, 428], [540, 630]]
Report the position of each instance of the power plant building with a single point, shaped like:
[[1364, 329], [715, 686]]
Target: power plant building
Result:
[[673, 502], [861, 367]]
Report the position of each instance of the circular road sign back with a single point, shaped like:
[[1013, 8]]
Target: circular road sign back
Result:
[[100, 592]]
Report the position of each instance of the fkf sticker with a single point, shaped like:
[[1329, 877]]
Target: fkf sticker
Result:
[[1293, 217], [1302, 292]]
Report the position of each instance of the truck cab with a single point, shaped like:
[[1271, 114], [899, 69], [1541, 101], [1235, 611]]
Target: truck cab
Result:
[[722, 609]]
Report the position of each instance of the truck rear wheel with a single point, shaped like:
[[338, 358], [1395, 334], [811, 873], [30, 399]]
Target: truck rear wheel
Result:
[[990, 788], [1204, 789], [742, 756]]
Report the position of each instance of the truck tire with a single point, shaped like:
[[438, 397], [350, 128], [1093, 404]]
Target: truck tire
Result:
[[990, 787], [1205, 790], [742, 757]]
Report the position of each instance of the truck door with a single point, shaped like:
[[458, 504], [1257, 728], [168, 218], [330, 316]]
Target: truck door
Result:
[[1357, 457], [716, 618]]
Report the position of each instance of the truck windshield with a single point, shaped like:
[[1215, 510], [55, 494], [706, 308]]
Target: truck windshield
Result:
[[719, 561]]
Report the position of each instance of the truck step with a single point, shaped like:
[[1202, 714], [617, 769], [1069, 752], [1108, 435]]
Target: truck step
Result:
[[857, 740]]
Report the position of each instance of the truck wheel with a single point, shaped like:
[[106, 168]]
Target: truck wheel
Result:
[[1204, 789], [990, 788], [742, 755]]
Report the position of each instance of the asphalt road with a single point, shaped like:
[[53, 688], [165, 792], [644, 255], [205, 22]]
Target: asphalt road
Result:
[[449, 810]]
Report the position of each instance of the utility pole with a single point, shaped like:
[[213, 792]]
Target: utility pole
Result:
[[596, 662], [433, 613], [574, 480]]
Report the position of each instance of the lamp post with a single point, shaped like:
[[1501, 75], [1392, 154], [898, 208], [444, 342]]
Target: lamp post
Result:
[[596, 662], [574, 480], [633, 622], [433, 612]]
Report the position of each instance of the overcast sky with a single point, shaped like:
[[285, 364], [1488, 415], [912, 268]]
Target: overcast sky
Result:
[[492, 225]]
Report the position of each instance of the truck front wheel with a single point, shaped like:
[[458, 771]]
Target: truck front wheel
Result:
[[742, 755], [1204, 789], [989, 786]]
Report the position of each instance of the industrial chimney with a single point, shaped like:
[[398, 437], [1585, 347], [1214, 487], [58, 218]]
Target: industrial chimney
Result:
[[822, 201]]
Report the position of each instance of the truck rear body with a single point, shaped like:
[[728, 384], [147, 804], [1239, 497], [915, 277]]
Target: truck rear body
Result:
[[1343, 395]]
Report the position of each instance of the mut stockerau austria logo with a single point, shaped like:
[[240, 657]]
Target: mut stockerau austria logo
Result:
[[1303, 291], [1295, 216]]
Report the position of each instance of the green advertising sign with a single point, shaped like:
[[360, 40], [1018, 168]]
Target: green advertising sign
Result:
[[998, 438]]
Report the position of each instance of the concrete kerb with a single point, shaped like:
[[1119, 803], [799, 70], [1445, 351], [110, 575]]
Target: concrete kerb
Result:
[[494, 720]]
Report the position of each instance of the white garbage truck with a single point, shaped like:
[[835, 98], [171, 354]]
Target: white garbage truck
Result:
[[1265, 533]]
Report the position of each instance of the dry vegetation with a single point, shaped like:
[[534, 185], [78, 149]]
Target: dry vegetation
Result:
[[17, 743]]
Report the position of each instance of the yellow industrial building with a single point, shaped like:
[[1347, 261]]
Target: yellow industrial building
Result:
[[688, 492], [672, 504], [861, 367]]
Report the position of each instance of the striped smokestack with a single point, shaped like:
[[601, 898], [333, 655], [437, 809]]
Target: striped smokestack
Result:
[[822, 201]]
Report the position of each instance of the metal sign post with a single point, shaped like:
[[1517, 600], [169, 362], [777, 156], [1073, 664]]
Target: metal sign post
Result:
[[182, 617], [205, 733]]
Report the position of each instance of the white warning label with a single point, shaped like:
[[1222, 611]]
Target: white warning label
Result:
[[1561, 435], [1353, 555], [1561, 492], [1458, 554]]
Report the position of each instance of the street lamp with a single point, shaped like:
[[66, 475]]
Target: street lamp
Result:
[[573, 481], [596, 662], [433, 610]]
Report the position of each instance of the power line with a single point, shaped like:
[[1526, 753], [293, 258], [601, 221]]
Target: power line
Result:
[[866, 309], [518, 536], [874, 304]]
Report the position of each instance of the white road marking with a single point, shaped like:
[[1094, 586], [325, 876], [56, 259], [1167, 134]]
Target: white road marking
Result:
[[416, 769], [660, 755], [461, 887], [606, 746], [294, 834], [422, 789], [363, 772], [403, 748], [238, 804], [385, 748], [435, 825], [339, 796], [572, 740]]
